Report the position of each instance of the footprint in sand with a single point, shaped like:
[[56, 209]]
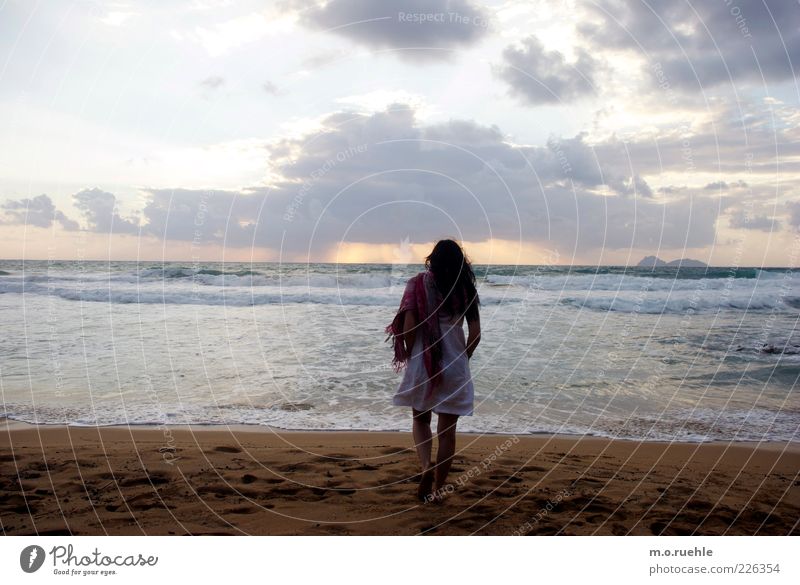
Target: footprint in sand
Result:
[[227, 449], [55, 532], [242, 510], [146, 480], [534, 468], [344, 491]]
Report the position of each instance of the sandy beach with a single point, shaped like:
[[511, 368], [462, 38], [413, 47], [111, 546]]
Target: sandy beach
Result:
[[117, 480]]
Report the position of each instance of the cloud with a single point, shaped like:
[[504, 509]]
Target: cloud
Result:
[[747, 221], [724, 186], [418, 29], [319, 60], [39, 212], [540, 77], [734, 138], [99, 210], [270, 88], [224, 37], [607, 163], [701, 44], [377, 177], [383, 177], [97, 207], [202, 216], [213, 82], [794, 214]]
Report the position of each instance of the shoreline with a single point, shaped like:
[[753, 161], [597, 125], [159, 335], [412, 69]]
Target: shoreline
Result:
[[16, 425], [57, 480]]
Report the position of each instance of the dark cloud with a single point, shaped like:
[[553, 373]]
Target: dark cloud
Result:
[[747, 221], [418, 29], [39, 212], [698, 45], [225, 217], [383, 177], [99, 208], [609, 163], [538, 76]]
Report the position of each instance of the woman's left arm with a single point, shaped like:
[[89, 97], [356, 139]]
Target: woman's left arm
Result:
[[473, 335], [409, 330]]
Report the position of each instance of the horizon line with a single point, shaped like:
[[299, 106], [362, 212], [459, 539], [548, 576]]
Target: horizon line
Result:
[[366, 263]]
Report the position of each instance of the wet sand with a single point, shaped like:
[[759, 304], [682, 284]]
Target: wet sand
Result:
[[218, 480]]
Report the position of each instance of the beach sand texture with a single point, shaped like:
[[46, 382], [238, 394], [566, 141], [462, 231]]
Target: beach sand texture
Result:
[[117, 480]]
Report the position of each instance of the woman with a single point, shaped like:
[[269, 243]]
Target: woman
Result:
[[429, 340]]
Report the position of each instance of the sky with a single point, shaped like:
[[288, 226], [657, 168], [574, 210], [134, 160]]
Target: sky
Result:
[[563, 132]]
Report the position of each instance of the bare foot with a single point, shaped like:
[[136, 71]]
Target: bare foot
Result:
[[425, 485], [438, 496]]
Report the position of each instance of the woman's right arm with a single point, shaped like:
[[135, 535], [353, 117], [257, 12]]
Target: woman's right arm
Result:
[[473, 335]]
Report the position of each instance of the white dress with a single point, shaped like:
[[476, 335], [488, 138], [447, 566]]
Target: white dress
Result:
[[455, 395]]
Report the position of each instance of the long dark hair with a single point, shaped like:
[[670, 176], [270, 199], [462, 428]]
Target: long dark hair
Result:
[[454, 278]]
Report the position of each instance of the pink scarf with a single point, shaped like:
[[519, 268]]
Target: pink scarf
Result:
[[415, 298]]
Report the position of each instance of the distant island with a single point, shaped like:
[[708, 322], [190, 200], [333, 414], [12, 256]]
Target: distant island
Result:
[[654, 261]]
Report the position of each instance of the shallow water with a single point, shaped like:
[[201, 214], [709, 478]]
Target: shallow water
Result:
[[687, 354]]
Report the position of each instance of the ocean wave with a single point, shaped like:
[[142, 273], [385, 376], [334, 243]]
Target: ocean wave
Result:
[[793, 302], [183, 272], [201, 296], [237, 297], [634, 282], [548, 279], [779, 349], [213, 277], [239, 285], [674, 304], [255, 278]]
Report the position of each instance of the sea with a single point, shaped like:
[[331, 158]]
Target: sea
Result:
[[648, 354]]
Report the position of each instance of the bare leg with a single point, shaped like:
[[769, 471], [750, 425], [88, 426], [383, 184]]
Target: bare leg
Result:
[[446, 432], [423, 440]]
